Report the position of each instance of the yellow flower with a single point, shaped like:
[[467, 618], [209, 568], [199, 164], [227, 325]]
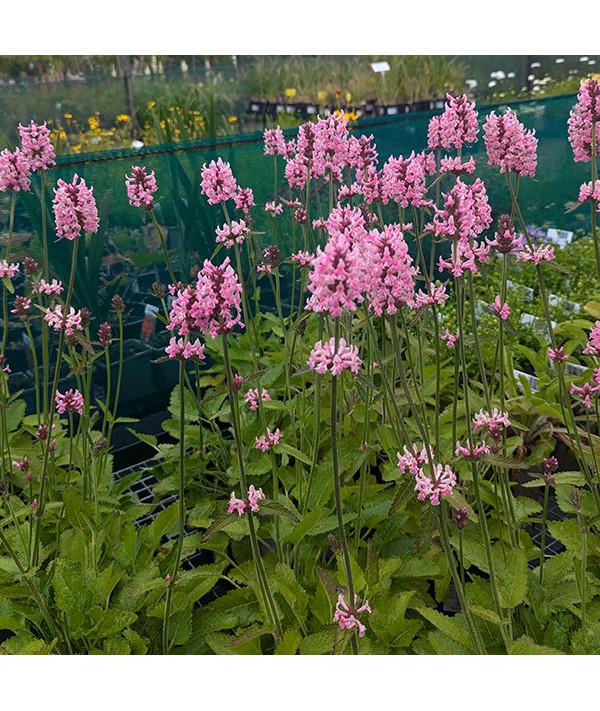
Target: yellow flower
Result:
[[232, 119], [77, 148], [93, 123], [151, 104], [123, 118], [321, 95], [68, 116], [290, 93]]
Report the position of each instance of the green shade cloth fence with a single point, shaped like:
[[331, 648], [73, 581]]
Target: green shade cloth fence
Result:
[[182, 208]]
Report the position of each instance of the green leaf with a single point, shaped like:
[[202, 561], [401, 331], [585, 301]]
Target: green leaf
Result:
[[290, 642], [319, 643], [448, 625], [512, 576], [305, 525], [525, 645], [292, 451], [221, 521], [109, 622], [10, 618], [587, 640], [485, 614], [291, 589]]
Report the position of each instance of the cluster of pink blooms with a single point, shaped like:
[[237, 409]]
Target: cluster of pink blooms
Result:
[[465, 214], [274, 209], [36, 153], [587, 390], [70, 322], [249, 504], [403, 181], [244, 199], [275, 144], [37, 148], [141, 186], [14, 171], [22, 306], [8, 270], [389, 272], [472, 452], [218, 183], [184, 348], [558, 355], [542, 253], [303, 258], [74, 208], [429, 486], [48, 288], [456, 166], [325, 358], [336, 279], [582, 118], [593, 345], [71, 401], [505, 239], [493, 425], [450, 339], [435, 295], [268, 440], [456, 127], [501, 310], [231, 234], [348, 618], [252, 397], [589, 191], [211, 306], [509, 144]]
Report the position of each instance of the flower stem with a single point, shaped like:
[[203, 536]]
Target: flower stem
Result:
[[337, 484]]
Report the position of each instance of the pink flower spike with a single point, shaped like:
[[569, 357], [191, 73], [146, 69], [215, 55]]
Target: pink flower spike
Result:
[[450, 339], [501, 310], [493, 423], [252, 397], [324, 357], [14, 171], [458, 124], [218, 183], [268, 440], [244, 199], [37, 148], [584, 115], [215, 304], [238, 505], [584, 392], [254, 496], [593, 345], [141, 186], [71, 401], [456, 166], [558, 355], [509, 145], [8, 270], [472, 452], [347, 618], [273, 208], [74, 208]]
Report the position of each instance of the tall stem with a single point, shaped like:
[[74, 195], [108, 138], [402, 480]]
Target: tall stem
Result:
[[263, 582], [337, 484]]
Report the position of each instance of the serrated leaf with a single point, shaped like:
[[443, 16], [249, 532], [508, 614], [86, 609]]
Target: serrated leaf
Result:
[[485, 614], [511, 575], [276, 508], [319, 643], [293, 452], [525, 645], [448, 625], [221, 521], [289, 643], [305, 525]]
